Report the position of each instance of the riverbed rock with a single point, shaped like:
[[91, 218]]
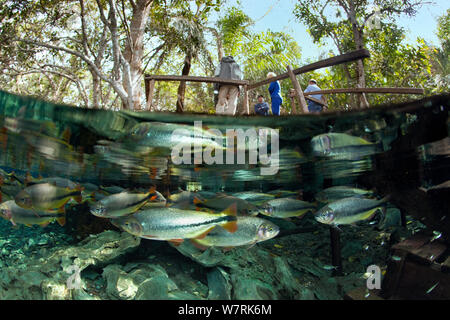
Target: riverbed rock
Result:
[[219, 284], [48, 276], [141, 281]]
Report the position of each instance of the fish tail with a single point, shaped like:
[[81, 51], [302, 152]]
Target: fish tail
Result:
[[78, 197]]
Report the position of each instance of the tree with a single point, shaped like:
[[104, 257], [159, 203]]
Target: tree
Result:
[[257, 53], [442, 54], [345, 22], [107, 40], [181, 29]]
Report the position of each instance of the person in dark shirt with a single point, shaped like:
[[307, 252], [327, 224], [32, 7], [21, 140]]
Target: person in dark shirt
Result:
[[228, 93], [262, 107]]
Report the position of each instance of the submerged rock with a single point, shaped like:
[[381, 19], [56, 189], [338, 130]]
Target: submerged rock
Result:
[[219, 285], [50, 276], [141, 281], [271, 273], [251, 289]]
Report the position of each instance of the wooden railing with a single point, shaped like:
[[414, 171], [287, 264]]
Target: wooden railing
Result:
[[291, 73]]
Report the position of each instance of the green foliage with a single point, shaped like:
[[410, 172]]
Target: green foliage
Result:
[[392, 62], [441, 55], [234, 29]]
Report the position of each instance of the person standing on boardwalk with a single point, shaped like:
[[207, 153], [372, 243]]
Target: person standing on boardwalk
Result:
[[275, 94], [262, 107], [228, 93], [313, 106]]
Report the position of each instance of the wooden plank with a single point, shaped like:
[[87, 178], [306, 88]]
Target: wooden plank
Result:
[[422, 282], [413, 243], [298, 91], [370, 90], [150, 88], [195, 79], [362, 294], [351, 56], [429, 253], [317, 101]]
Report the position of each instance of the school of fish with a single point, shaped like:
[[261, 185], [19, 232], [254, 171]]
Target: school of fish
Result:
[[205, 218]]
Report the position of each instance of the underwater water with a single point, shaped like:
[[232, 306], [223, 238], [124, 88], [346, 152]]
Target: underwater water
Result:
[[138, 221]]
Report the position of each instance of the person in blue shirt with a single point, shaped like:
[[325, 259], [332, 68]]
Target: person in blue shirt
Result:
[[313, 106], [262, 107], [275, 95]]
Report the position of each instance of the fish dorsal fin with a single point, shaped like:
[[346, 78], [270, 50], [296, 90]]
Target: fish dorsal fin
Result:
[[197, 200], [231, 210], [152, 190], [231, 226]]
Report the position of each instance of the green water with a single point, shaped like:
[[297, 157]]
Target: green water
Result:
[[95, 146]]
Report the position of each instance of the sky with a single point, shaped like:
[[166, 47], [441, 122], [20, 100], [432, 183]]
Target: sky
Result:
[[277, 15]]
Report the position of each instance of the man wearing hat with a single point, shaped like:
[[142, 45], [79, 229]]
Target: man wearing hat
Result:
[[313, 106]]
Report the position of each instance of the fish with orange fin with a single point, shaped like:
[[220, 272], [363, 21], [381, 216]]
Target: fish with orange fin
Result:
[[121, 204], [175, 224], [46, 197], [185, 196], [56, 181], [10, 211], [250, 230]]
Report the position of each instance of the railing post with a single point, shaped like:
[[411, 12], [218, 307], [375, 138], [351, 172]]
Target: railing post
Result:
[[298, 91], [149, 88], [246, 104]]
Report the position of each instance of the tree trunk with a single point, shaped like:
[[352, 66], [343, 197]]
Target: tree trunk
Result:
[[358, 37], [95, 90], [182, 86], [133, 54]]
